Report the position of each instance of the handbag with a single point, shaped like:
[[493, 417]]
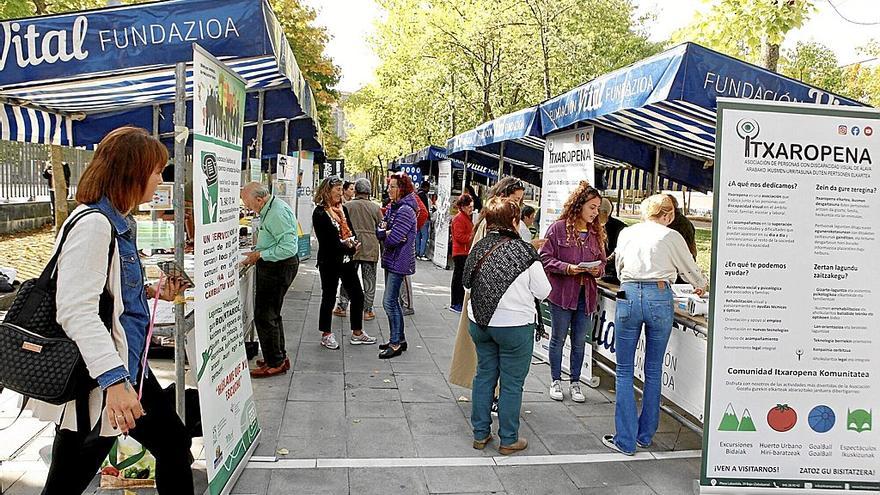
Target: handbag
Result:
[[37, 357]]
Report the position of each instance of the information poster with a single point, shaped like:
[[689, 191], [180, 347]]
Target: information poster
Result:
[[793, 368], [442, 217], [568, 159], [229, 415], [304, 161]]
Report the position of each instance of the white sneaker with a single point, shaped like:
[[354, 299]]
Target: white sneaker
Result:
[[576, 394], [329, 341], [556, 390], [362, 339]]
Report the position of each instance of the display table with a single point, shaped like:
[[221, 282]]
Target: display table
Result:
[[163, 332]]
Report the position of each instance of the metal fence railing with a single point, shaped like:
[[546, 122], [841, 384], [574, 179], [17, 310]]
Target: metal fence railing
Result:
[[21, 170]]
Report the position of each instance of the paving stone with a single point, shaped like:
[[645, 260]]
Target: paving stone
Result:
[[453, 445], [423, 388], [573, 443], [535, 480], [552, 417], [667, 476], [436, 419], [314, 358], [311, 481], [395, 481], [375, 379], [302, 419], [252, 482], [363, 409], [316, 387], [462, 479], [380, 437], [602, 474], [269, 417], [623, 490], [328, 443]]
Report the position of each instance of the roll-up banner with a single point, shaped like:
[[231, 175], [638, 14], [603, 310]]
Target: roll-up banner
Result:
[[442, 218], [793, 377], [568, 159], [228, 410]]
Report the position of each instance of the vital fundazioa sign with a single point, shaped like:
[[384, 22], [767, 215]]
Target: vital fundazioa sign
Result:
[[792, 382], [53, 47]]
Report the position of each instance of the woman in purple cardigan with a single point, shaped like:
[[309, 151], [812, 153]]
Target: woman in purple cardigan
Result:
[[397, 232], [573, 256]]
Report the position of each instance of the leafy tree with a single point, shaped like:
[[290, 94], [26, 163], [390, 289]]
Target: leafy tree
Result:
[[815, 64], [309, 41], [751, 31], [449, 65], [861, 81]]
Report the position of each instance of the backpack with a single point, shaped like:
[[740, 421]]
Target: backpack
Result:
[[422, 215]]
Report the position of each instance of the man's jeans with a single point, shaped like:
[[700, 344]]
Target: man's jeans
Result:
[[368, 282], [422, 239], [562, 320], [272, 281], [391, 304], [505, 353], [649, 303]]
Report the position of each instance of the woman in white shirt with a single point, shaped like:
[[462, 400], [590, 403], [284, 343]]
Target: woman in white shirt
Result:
[[649, 257], [504, 276]]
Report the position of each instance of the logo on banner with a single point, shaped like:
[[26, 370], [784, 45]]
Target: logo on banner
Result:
[[869, 131], [859, 420], [747, 128], [210, 189], [821, 419], [732, 422], [842, 130], [855, 131]]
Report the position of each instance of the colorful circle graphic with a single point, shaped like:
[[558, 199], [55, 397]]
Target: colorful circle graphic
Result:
[[821, 419]]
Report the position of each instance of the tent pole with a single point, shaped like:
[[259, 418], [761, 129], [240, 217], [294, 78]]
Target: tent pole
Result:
[[655, 180], [299, 161], [180, 137], [260, 102], [284, 143], [154, 214], [619, 194], [464, 177], [501, 161]]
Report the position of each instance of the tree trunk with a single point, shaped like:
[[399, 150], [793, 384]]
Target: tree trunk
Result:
[[40, 7], [770, 56], [60, 186], [545, 53]]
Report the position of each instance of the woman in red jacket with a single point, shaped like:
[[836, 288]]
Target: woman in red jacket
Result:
[[462, 234]]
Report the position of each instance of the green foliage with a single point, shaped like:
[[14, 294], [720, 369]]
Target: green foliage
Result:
[[308, 41], [449, 65], [814, 64], [744, 29]]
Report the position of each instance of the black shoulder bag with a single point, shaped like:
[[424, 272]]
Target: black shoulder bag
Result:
[[37, 358]]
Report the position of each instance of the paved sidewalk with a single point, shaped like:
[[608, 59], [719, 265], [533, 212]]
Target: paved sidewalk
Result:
[[353, 424]]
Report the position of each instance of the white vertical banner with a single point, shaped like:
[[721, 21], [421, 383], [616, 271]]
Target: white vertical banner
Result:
[[568, 159], [305, 190], [229, 415], [442, 220], [793, 377]]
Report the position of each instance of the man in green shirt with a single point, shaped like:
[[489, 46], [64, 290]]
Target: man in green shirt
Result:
[[277, 263]]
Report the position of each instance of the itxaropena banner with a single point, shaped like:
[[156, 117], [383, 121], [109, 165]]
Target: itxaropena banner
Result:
[[229, 414], [568, 159], [792, 380]]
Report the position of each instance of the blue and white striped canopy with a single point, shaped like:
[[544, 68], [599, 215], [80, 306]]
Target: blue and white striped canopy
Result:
[[27, 125], [666, 102], [114, 66]]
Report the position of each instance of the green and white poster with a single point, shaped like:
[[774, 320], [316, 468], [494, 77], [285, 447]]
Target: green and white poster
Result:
[[794, 352], [229, 415]]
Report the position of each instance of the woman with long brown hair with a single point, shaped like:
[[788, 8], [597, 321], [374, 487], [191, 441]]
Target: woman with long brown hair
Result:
[[337, 245], [573, 256], [101, 303]]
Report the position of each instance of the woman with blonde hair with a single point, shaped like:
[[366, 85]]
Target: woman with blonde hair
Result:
[[337, 244], [648, 258], [574, 256], [101, 303]]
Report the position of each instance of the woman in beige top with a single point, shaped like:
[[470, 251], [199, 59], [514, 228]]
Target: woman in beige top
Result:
[[649, 257]]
